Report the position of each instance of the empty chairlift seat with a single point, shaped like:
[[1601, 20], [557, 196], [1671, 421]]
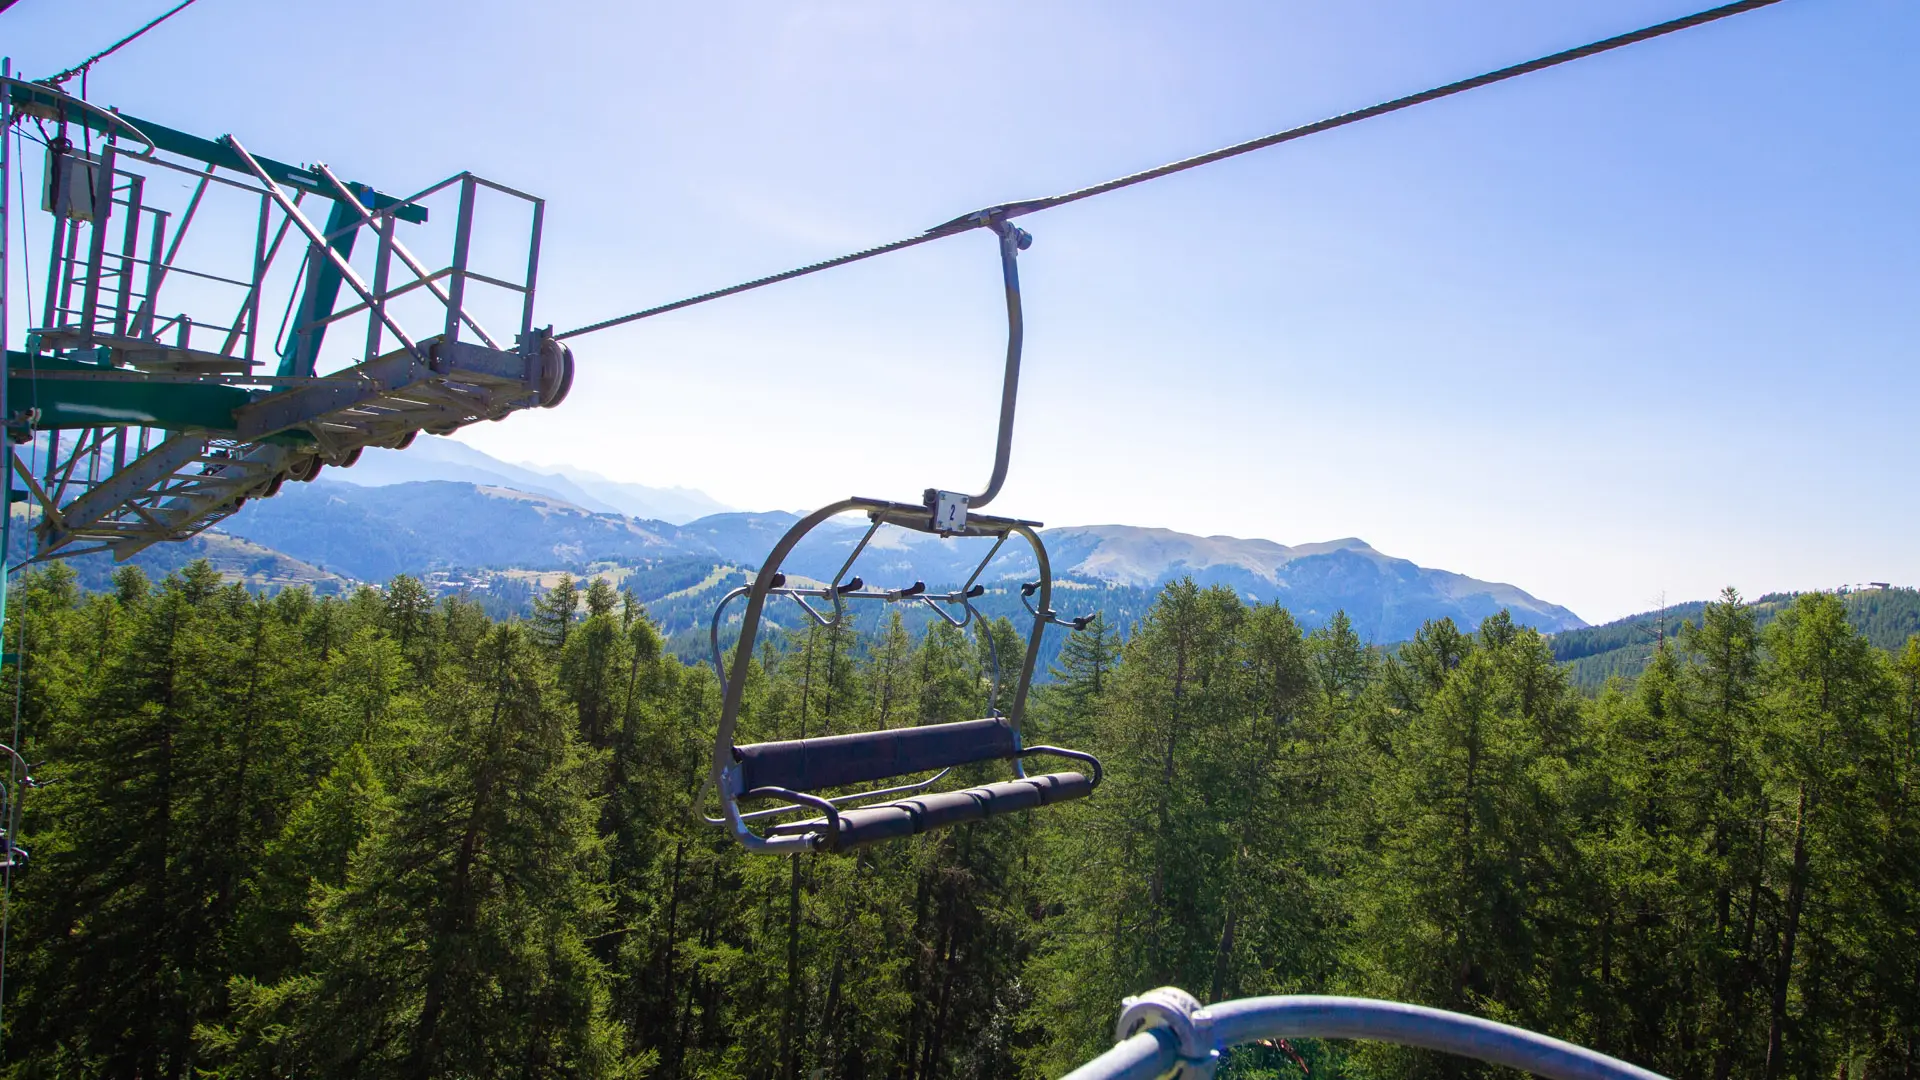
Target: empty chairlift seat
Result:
[[809, 766], [903, 765]]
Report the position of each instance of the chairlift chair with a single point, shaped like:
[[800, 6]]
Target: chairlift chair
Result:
[[902, 766]]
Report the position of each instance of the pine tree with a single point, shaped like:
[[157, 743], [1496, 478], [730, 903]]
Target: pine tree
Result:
[[1452, 907], [459, 941], [1081, 675], [175, 783], [1724, 868], [311, 853], [1889, 853], [1624, 793], [601, 599], [130, 585], [407, 609], [1827, 708], [1000, 653], [1135, 882], [553, 614], [592, 672], [888, 674], [1341, 661]]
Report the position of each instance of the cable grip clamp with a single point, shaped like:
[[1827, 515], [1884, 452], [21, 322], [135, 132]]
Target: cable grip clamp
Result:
[[1182, 1015]]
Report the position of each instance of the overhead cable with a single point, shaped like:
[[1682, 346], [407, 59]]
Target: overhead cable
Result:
[[1004, 211], [82, 66]]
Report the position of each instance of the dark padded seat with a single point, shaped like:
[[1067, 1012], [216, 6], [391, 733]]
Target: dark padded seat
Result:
[[837, 760], [924, 813]]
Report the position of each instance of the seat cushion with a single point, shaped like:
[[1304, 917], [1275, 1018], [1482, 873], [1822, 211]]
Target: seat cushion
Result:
[[832, 761]]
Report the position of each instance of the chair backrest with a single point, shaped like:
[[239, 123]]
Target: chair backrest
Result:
[[837, 760]]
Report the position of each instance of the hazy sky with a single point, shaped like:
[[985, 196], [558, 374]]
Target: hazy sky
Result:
[[1641, 325]]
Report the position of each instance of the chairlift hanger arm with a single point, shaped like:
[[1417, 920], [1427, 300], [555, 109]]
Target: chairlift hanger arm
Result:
[[1013, 240]]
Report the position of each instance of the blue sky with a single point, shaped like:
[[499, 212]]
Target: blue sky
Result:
[[1641, 325]]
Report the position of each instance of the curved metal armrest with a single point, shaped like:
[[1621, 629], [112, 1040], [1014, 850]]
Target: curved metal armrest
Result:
[[824, 806], [1077, 755]]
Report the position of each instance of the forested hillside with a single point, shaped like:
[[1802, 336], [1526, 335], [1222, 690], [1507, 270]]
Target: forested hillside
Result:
[[260, 568], [1887, 617], [382, 836]]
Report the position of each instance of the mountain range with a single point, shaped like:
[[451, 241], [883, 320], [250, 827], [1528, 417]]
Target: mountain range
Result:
[[465, 520], [559, 517], [434, 458], [372, 533]]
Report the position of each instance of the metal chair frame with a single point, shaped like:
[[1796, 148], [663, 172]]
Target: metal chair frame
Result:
[[941, 513]]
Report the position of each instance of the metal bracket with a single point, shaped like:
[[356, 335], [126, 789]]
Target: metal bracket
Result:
[[1182, 1015]]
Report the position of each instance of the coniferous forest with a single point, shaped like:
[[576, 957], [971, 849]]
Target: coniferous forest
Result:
[[377, 835]]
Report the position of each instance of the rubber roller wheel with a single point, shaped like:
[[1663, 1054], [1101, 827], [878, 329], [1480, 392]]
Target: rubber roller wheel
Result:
[[403, 441], [273, 486], [352, 458], [556, 372], [307, 468]]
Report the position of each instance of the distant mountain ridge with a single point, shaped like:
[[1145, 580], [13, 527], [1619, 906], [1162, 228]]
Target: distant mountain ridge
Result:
[[434, 458], [1146, 556], [1386, 597], [372, 533]]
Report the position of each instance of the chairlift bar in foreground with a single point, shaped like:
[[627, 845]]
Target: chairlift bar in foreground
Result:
[[1166, 1034]]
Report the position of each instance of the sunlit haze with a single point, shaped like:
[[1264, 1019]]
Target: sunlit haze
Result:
[[1641, 325]]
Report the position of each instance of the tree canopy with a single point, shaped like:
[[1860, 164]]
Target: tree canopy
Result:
[[376, 835]]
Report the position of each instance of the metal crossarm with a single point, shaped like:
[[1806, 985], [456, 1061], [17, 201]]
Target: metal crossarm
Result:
[[427, 278], [320, 242]]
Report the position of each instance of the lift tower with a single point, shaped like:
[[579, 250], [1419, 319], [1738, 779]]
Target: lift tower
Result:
[[211, 323]]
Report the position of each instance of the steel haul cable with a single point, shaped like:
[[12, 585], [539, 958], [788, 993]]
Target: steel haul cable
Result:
[[982, 218], [81, 68]]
